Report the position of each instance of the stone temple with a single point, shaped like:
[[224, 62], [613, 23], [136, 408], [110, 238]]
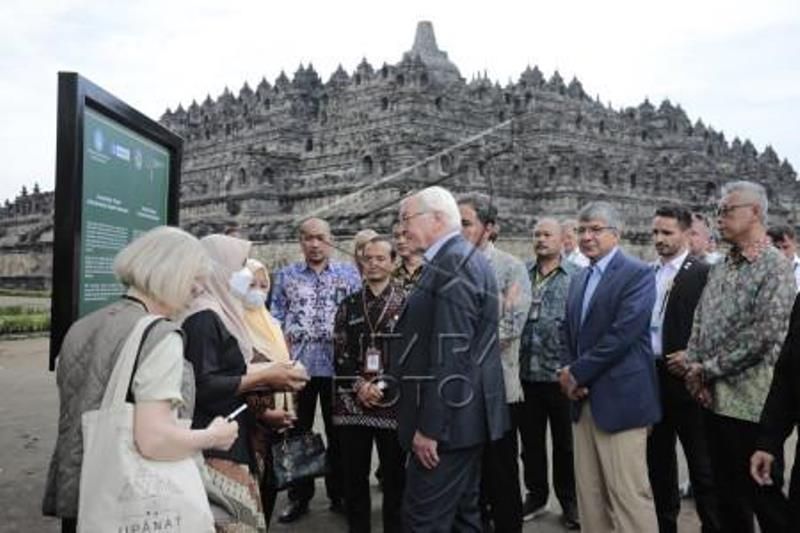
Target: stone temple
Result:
[[349, 148]]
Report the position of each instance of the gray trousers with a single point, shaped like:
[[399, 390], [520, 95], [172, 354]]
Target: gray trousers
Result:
[[445, 499]]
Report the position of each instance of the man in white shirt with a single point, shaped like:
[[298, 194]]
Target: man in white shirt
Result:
[[680, 279], [569, 229], [785, 239]]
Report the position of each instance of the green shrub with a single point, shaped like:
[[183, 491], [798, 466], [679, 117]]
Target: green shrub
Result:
[[27, 323], [16, 310]]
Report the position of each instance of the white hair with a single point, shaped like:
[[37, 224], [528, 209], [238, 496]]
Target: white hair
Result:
[[163, 264], [755, 191], [440, 200]]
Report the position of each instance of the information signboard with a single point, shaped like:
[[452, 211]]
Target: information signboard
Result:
[[117, 176]]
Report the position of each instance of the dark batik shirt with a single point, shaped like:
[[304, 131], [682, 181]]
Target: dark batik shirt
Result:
[[542, 343], [351, 338], [407, 280], [739, 327]]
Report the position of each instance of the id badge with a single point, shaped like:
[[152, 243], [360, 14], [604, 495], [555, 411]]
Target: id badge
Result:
[[536, 306], [372, 363], [340, 294]]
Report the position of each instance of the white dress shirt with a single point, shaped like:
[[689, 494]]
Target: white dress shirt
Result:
[[796, 269], [577, 258], [665, 275]]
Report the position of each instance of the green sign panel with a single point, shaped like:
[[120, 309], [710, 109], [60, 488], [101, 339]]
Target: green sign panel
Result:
[[125, 192]]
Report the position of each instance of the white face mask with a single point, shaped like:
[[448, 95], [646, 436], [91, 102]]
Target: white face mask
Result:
[[255, 298], [240, 282]]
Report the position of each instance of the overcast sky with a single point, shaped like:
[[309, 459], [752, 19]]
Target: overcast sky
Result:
[[734, 64]]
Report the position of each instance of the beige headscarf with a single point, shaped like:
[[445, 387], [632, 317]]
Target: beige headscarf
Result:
[[265, 332], [228, 255]]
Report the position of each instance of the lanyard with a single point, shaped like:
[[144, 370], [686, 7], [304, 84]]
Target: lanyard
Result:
[[665, 299], [540, 281], [373, 328]]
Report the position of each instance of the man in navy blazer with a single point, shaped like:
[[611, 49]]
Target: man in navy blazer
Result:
[[446, 359], [610, 376]]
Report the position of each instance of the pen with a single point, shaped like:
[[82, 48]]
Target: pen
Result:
[[236, 413]]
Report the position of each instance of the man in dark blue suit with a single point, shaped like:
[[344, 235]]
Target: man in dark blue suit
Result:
[[446, 360], [610, 376]]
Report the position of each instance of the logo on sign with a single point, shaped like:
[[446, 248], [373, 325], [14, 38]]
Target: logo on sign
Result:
[[97, 139], [121, 152]]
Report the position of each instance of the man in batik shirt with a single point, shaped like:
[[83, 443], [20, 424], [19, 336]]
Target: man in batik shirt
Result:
[[305, 299], [409, 269], [540, 360], [738, 331], [499, 485], [361, 412]]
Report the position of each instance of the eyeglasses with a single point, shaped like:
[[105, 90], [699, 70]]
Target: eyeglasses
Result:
[[405, 218], [595, 230], [725, 210]]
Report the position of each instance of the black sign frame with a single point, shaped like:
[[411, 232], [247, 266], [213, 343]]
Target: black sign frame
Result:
[[75, 94]]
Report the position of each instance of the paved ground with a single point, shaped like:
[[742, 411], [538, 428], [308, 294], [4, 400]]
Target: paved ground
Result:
[[28, 421]]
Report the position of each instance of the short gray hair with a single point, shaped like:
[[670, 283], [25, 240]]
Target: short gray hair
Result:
[[754, 190], [603, 211], [439, 200], [482, 204], [163, 264]]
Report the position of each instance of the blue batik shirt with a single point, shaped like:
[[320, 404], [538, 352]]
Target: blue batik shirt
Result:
[[305, 304]]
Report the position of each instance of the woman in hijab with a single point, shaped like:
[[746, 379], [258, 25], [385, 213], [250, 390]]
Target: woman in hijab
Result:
[[221, 352], [274, 411]]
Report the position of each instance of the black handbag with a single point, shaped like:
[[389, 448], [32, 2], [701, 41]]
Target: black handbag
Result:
[[298, 458]]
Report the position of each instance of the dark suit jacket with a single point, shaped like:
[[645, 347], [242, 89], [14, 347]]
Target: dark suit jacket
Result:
[[781, 412], [446, 357], [611, 352], [687, 287], [782, 409]]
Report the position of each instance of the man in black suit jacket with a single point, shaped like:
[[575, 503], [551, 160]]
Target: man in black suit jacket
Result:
[[781, 415], [446, 360], [680, 279]]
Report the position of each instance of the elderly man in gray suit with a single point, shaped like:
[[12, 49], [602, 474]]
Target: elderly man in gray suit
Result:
[[446, 360]]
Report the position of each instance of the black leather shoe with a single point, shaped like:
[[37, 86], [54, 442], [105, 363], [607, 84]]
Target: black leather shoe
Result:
[[337, 506], [293, 512], [570, 520], [533, 508]]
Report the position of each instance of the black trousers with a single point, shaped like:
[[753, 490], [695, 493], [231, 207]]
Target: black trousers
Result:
[[544, 403], [445, 499], [684, 420], [500, 481], [269, 494], [731, 443], [321, 387], [69, 525], [356, 447], [794, 494]]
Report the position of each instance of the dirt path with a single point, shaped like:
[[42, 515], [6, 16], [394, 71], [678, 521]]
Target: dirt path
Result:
[[28, 418]]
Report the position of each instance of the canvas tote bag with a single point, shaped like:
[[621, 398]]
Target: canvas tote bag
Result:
[[121, 491]]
